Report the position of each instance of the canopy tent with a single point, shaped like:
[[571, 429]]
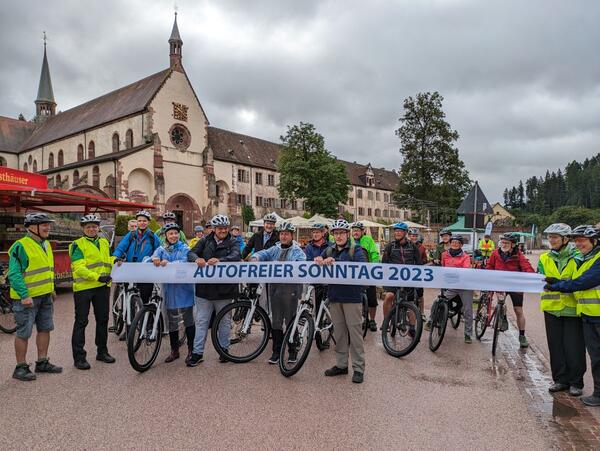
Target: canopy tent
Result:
[[459, 226], [260, 222], [318, 219], [300, 222]]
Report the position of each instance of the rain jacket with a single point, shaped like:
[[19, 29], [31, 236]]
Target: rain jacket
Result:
[[135, 246], [515, 261]]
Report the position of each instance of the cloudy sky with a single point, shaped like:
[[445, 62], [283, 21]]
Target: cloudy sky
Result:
[[521, 79]]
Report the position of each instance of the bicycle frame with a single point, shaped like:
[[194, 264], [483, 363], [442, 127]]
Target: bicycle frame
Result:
[[158, 302], [250, 314], [304, 305]]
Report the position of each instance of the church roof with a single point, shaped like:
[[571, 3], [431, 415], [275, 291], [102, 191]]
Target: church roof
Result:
[[13, 132], [468, 204], [175, 31], [250, 151], [117, 104], [45, 92]]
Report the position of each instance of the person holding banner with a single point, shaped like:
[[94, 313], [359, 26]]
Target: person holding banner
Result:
[[217, 247], [417, 239], [346, 305], [508, 257], [368, 244], [564, 329], [284, 296], [585, 285], [313, 250]]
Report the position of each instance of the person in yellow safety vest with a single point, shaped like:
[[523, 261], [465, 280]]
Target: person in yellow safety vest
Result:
[[198, 233], [564, 330], [31, 277], [486, 246], [91, 264], [585, 285]]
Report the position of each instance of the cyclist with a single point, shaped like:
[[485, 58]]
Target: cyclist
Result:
[[91, 264], [400, 251], [417, 239], [217, 247], [455, 257], [312, 250], [131, 225], [486, 246], [31, 276], [564, 329], [178, 297], [584, 284], [372, 252], [442, 246], [346, 305], [264, 239], [508, 257], [198, 233], [284, 296], [235, 232], [167, 218]]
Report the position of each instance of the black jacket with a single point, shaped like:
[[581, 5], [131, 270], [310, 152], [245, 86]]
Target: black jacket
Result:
[[403, 252], [226, 251], [255, 243]]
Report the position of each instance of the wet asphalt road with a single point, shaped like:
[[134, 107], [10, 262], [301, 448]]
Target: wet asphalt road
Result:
[[455, 398]]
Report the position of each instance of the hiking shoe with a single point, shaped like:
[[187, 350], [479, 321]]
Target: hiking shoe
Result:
[[412, 331], [195, 359], [82, 364], [557, 386], [523, 341], [23, 373], [188, 358], [468, 339], [174, 355], [293, 357], [372, 326], [106, 358], [44, 366], [335, 371], [592, 401], [223, 359], [274, 358], [575, 391], [358, 377]]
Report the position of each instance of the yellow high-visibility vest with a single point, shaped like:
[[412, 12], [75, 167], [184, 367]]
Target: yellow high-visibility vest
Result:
[[553, 300], [39, 274], [95, 263], [588, 301]]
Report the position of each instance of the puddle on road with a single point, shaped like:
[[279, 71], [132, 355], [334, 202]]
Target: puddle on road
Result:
[[497, 369], [560, 410]]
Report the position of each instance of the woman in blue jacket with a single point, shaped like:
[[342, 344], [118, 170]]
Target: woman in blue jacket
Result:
[[179, 297]]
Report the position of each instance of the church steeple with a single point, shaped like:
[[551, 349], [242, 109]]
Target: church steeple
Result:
[[45, 106], [175, 45]]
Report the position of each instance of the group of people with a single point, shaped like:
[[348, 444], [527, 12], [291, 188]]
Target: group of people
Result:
[[571, 303]]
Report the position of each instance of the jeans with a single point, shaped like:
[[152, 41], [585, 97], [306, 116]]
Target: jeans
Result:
[[204, 310]]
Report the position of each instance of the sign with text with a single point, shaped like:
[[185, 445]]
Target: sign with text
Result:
[[22, 179]]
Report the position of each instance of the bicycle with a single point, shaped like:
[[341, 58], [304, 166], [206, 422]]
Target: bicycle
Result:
[[402, 326], [126, 302], [484, 313], [323, 325], [498, 317], [250, 327], [443, 309], [7, 318]]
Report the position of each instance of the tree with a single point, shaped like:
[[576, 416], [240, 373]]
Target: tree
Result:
[[431, 169], [308, 171], [247, 214]]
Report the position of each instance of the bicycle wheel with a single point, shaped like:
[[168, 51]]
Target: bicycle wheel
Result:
[[244, 345], [325, 333], [142, 348], [498, 317], [365, 314], [402, 329], [439, 320], [456, 315], [481, 319], [7, 319], [135, 305], [295, 349], [117, 311]]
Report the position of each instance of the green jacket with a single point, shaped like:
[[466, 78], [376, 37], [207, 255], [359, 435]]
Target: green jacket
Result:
[[17, 263], [561, 259], [368, 244]]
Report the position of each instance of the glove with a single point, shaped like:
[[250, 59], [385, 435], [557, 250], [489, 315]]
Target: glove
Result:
[[551, 280], [104, 279]]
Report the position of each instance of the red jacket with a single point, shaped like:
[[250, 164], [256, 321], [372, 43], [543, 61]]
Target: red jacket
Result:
[[460, 261], [515, 262]]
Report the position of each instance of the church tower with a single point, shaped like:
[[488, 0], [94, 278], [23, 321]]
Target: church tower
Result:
[[45, 106], [175, 45]]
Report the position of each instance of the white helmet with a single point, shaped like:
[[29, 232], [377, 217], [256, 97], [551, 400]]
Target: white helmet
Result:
[[558, 228], [90, 219], [287, 227], [220, 221], [144, 213], [340, 224], [270, 217]]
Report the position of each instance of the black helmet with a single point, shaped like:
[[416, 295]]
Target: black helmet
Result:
[[457, 238], [37, 218], [586, 231], [171, 226], [90, 219], [513, 238], [445, 232]]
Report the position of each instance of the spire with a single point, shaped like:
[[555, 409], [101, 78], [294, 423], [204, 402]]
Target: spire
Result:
[[175, 45], [45, 105]]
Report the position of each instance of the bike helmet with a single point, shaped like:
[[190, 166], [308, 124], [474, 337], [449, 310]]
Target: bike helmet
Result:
[[287, 227], [36, 218], [270, 217], [235, 227], [457, 238], [400, 226], [586, 231], [558, 229], [90, 219], [198, 228], [318, 226], [358, 225], [220, 221], [340, 224], [445, 232], [144, 213], [413, 231], [510, 237], [171, 226], [169, 215]]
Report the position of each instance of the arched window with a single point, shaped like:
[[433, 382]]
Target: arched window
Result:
[[58, 181], [3, 161], [25, 167], [30, 160], [91, 149], [80, 156], [115, 142], [96, 177], [61, 159], [34, 165], [51, 160], [75, 177], [129, 139]]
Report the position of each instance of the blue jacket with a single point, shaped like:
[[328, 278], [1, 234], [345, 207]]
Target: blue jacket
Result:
[[312, 250], [295, 254], [176, 295], [133, 247], [589, 279], [345, 293], [240, 240]]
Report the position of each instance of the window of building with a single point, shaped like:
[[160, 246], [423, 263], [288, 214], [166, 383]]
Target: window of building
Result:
[[80, 152], [258, 178], [61, 161], [270, 202], [58, 181], [50, 160], [25, 167], [91, 149], [359, 193], [129, 139], [283, 203], [351, 201], [294, 205], [377, 213], [271, 179], [369, 212], [115, 142], [386, 197], [30, 160], [34, 165], [241, 199], [243, 176], [259, 201], [385, 213], [361, 211], [370, 195], [180, 136], [377, 196], [3, 161], [96, 177], [75, 177]]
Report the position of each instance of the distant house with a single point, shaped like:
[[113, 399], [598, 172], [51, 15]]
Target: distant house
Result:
[[500, 215]]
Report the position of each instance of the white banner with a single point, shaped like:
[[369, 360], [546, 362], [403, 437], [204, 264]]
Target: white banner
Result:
[[344, 273]]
